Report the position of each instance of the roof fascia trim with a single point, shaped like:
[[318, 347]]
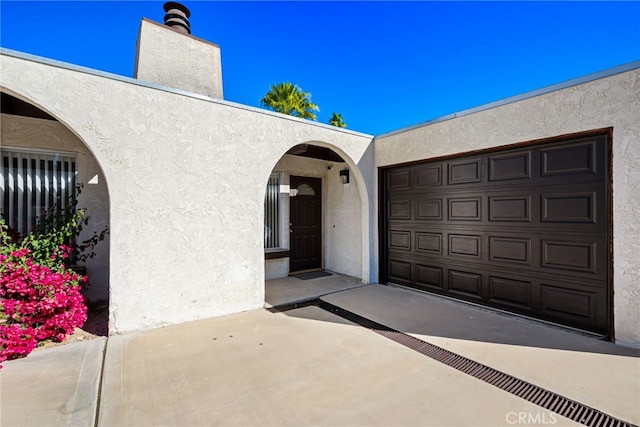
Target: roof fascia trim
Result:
[[131, 80]]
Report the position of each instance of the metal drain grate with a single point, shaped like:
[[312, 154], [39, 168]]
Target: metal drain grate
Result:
[[532, 393]]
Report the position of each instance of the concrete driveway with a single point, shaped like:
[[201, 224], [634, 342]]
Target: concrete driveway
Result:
[[309, 366]]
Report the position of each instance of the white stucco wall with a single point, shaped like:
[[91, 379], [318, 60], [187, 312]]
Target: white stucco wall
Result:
[[344, 253], [186, 177], [170, 58], [276, 268], [31, 133], [613, 101], [343, 218]]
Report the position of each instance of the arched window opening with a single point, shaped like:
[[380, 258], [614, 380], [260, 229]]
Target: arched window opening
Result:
[[305, 190]]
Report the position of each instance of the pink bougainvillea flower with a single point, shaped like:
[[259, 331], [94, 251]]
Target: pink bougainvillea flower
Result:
[[36, 304]]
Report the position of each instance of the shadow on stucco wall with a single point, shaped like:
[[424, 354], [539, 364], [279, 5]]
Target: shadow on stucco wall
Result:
[[32, 129]]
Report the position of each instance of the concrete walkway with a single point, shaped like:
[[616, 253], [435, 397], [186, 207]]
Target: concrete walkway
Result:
[[307, 366]]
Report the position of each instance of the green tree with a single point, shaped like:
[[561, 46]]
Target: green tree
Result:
[[337, 120], [288, 98]]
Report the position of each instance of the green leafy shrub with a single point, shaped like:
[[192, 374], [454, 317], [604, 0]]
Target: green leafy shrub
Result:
[[55, 233]]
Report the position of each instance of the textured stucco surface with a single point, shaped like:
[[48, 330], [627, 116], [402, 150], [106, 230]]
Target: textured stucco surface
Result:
[[31, 133], [276, 268], [176, 60], [613, 101], [186, 179]]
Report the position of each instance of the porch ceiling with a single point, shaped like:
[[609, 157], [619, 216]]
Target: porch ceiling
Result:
[[17, 107], [315, 152]]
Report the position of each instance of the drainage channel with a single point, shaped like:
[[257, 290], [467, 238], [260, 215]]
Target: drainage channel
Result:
[[544, 398]]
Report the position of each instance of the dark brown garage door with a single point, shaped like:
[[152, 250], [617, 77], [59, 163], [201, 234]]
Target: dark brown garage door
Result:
[[525, 230]]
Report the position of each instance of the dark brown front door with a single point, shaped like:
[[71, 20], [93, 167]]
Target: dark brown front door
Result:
[[306, 224], [523, 229]]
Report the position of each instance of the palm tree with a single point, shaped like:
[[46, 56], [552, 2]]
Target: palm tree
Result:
[[337, 120], [288, 98]]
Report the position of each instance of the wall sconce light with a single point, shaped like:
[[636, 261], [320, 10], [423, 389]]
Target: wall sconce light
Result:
[[344, 176]]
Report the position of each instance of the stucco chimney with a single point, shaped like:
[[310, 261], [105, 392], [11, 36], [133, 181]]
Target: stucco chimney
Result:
[[169, 55], [177, 17]]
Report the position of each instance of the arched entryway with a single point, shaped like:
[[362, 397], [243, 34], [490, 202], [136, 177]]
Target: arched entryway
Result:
[[42, 161], [316, 214]]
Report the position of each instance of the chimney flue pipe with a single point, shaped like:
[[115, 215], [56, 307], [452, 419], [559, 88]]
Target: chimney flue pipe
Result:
[[177, 17]]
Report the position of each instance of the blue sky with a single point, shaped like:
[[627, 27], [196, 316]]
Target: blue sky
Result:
[[382, 65]]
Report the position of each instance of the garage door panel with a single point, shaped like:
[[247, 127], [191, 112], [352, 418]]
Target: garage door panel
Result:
[[400, 271], [568, 302], [575, 255], [428, 175], [400, 209], [400, 240], [429, 276], [499, 287], [465, 209], [524, 230], [466, 171], [533, 208], [571, 207], [399, 179], [510, 208], [524, 272], [429, 210], [583, 307], [467, 246], [465, 283], [510, 250], [510, 166], [507, 292], [578, 158], [569, 255], [429, 242]]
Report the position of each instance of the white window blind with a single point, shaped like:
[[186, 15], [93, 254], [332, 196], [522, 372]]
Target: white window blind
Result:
[[272, 213], [31, 182]]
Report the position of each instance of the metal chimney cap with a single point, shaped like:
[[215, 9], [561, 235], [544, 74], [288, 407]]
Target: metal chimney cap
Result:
[[175, 5], [177, 17]]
